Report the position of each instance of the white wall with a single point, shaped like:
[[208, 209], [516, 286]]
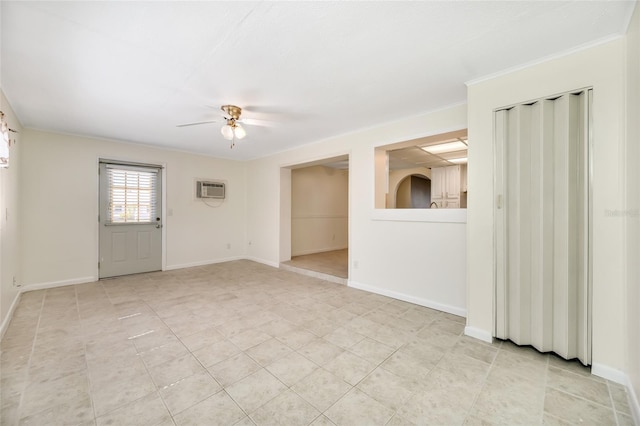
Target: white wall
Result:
[[59, 186], [632, 209], [319, 209], [603, 68], [10, 215], [410, 257]]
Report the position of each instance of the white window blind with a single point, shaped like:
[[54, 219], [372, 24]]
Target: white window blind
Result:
[[132, 194]]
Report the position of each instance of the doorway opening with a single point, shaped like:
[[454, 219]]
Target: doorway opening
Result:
[[413, 192], [317, 219]]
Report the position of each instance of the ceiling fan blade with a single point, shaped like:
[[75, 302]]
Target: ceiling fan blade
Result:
[[258, 122], [199, 123]]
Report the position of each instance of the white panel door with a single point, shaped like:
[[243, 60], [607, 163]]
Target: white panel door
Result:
[[130, 221]]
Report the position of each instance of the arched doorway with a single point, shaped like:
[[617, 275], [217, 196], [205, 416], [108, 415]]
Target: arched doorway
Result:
[[414, 192]]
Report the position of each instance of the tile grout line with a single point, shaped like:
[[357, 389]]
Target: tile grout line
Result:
[[484, 384], [544, 388], [84, 347], [33, 347], [613, 404]]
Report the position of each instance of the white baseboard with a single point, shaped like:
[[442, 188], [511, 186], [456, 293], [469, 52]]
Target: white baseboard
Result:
[[609, 373], [202, 263], [621, 378], [411, 299], [263, 261], [634, 402], [62, 283], [478, 333], [7, 319], [321, 250]]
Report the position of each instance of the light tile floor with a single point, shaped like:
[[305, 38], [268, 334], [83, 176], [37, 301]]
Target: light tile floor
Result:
[[243, 343]]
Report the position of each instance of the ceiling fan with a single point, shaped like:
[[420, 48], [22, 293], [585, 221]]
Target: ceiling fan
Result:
[[232, 129]]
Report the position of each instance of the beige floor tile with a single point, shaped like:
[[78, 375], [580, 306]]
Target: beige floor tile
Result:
[[344, 337], [77, 411], [296, 338], [174, 370], [277, 327], [391, 336], [189, 391], [118, 368], [428, 354], [218, 409], [267, 352], [233, 369], [322, 420], [372, 350], [216, 352], [357, 408], [473, 370], [164, 353], [620, 398], [249, 338], [321, 389], [576, 410], [522, 364], [245, 421], [387, 388], [398, 420], [39, 396], [255, 390], [202, 338], [148, 410], [578, 385], [507, 397], [574, 366], [436, 406], [320, 351], [110, 395], [625, 420], [349, 367], [285, 409], [9, 413], [292, 368], [404, 365], [549, 420], [96, 344], [476, 349]]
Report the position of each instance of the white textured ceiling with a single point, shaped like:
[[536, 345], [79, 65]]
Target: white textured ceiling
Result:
[[132, 71]]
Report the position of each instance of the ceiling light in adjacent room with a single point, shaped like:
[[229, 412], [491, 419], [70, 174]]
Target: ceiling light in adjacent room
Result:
[[462, 160], [445, 147]]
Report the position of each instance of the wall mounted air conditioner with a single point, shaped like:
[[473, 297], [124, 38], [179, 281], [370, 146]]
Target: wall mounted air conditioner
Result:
[[206, 189]]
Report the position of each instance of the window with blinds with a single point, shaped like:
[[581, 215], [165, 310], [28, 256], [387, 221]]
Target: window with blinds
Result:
[[132, 194]]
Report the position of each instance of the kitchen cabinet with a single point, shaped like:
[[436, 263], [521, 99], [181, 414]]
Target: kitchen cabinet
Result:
[[446, 184]]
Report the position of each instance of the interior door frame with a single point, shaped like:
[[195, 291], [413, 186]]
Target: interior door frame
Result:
[[163, 205], [499, 244]]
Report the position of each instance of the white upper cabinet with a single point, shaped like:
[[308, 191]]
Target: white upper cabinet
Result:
[[446, 186]]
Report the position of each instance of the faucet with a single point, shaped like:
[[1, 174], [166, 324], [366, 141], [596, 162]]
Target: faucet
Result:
[[432, 203]]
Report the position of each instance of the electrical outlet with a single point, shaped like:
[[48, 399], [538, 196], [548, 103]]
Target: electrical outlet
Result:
[[15, 282], [228, 245], [355, 264]]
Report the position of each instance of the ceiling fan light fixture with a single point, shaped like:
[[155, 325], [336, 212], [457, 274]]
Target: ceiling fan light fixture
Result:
[[227, 132], [239, 131]]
